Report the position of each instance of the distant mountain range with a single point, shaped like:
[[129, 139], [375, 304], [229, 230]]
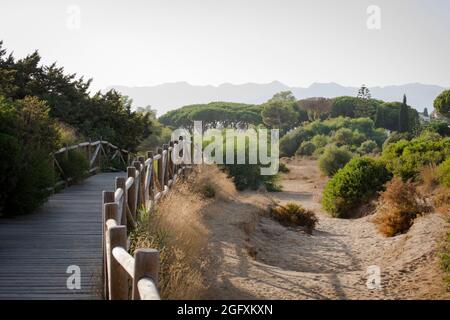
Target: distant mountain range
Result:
[[168, 96]]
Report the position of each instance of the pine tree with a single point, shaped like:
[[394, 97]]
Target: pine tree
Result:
[[403, 121], [364, 93]]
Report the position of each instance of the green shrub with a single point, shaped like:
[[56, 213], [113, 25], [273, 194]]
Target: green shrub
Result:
[[367, 147], [360, 179], [438, 126], [396, 137], [74, 165], [290, 142], [320, 140], [406, 158], [333, 159], [307, 148], [27, 137], [444, 172], [343, 131], [248, 176]]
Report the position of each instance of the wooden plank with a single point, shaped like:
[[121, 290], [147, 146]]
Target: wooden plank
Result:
[[36, 249]]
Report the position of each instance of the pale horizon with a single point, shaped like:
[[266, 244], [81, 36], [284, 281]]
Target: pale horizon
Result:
[[298, 43]]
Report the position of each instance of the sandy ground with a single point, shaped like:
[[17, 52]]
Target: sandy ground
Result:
[[254, 257]]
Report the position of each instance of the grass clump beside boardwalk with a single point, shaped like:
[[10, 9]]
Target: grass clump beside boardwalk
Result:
[[177, 230]]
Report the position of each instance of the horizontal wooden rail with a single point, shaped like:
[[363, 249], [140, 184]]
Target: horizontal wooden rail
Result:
[[98, 154], [148, 180]]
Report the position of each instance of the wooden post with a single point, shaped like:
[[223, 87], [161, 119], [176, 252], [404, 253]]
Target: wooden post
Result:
[[137, 165], [131, 172], [151, 186], [166, 165], [180, 139], [160, 169], [108, 197], [119, 276], [120, 183], [142, 180], [110, 212], [170, 161], [146, 264]]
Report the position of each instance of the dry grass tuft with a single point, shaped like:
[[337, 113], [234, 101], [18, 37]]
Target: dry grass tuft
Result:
[[178, 231], [441, 199], [210, 182], [400, 204], [293, 214], [429, 177]]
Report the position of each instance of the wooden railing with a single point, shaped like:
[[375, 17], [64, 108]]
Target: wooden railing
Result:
[[100, 155], [148, 180]]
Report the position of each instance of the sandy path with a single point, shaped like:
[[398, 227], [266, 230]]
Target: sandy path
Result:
[[255, 257]]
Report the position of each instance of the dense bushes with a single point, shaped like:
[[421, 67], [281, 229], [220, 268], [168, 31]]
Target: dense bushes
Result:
[[406, 158], [368, 146], [341, 131], [292, 214], [306, 148], [27, 136], [360, 179], [333, 159]]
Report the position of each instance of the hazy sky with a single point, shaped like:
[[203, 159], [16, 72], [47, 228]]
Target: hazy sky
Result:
[[140, 43]]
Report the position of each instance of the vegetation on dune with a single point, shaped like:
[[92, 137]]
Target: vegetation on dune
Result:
[[341, 131], [292, 214], [333, 159], [406, 158], [400, 204], [177, 230], [355, 183]]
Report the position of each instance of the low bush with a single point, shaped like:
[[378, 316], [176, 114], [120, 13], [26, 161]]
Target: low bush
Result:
[[292, 214], [400, 204], [368, 146], [354, 184], [333, 159], [307, 148], [320, 140], [290, 142]]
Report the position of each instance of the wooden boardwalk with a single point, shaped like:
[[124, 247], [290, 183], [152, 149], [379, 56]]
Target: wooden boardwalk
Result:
[[37, 249]]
